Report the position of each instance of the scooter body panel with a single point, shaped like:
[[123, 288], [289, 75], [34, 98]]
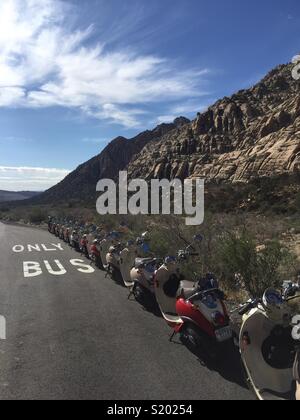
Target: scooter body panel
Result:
[[113, 260], [127, 258], [166, 304], [267, 382], [188, 311], [104, 247], [143, 277]]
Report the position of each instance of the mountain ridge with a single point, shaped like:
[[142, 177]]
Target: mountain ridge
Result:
[[254, 133], [114, 158]]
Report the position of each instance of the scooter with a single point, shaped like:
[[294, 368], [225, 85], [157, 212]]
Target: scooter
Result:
[[193, 309], [127, 259], [95, 255], [67, 236], [84, 247], [142, 279], [267, 347], [74, 239], [53, 228], [142, 270], [105, 244], [113, 259], [57, 229], [103, 248], [61, 233]]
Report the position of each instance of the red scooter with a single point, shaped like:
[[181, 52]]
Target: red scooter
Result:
[[195, 310]]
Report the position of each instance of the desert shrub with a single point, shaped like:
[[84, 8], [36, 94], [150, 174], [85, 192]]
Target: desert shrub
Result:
[[297, 201], [238, 255], [37, 216]]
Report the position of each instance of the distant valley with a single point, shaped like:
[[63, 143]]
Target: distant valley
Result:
[[16, 196]]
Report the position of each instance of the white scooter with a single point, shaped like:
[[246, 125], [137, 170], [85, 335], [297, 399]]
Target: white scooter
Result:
[[127, 260], [103, 248], [267, 347], [142, 277], [113, 259], [142, 273]]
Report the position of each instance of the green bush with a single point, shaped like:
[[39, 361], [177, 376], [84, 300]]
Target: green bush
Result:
[[258, 269], [297, 201], [37, 216]]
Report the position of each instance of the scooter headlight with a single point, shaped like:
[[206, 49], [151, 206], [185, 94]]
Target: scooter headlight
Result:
[[218, 319]]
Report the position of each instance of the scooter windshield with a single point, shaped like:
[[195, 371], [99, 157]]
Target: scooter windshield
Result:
[[210, 301]]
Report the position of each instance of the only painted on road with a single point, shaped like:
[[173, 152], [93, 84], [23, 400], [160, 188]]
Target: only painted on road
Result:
[[37, 248]]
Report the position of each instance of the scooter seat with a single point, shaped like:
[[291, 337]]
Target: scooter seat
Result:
[[142, 262], [187, 289]]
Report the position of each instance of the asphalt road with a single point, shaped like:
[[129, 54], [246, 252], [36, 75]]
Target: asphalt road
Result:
[[76, 336]]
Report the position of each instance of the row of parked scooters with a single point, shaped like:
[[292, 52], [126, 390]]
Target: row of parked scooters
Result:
[[267, 330]]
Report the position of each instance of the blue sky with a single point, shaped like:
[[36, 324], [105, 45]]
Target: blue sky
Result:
[[76, 74]]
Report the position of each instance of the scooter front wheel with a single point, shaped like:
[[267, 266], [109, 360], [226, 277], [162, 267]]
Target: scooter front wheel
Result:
[[198, 342], [138, 293]]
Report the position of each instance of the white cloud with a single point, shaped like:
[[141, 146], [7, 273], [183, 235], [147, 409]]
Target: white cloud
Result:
[[166, 118], [27, 178], [11, 95], [296, 59], [44, 63], [188, 108], [95, 140]]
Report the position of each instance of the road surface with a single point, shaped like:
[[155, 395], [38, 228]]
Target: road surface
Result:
[[74, 335]]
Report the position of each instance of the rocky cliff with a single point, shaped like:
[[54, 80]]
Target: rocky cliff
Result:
[[255, 133]]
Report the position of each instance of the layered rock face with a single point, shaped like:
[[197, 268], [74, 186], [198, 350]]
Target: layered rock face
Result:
[[254, 133]]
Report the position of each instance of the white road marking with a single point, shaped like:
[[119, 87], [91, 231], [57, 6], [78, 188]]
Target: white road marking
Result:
[[2, 328], [18, 248], [34, 248], [34, 269], [31, 269], [61, 271], [58, 246], [85, 268], [48, 249]]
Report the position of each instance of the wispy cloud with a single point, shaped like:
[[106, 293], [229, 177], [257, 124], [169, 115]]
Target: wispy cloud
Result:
[[44, 62], [27, 178], [95, 140], [165, 118], [14, 139], [187, 109]]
